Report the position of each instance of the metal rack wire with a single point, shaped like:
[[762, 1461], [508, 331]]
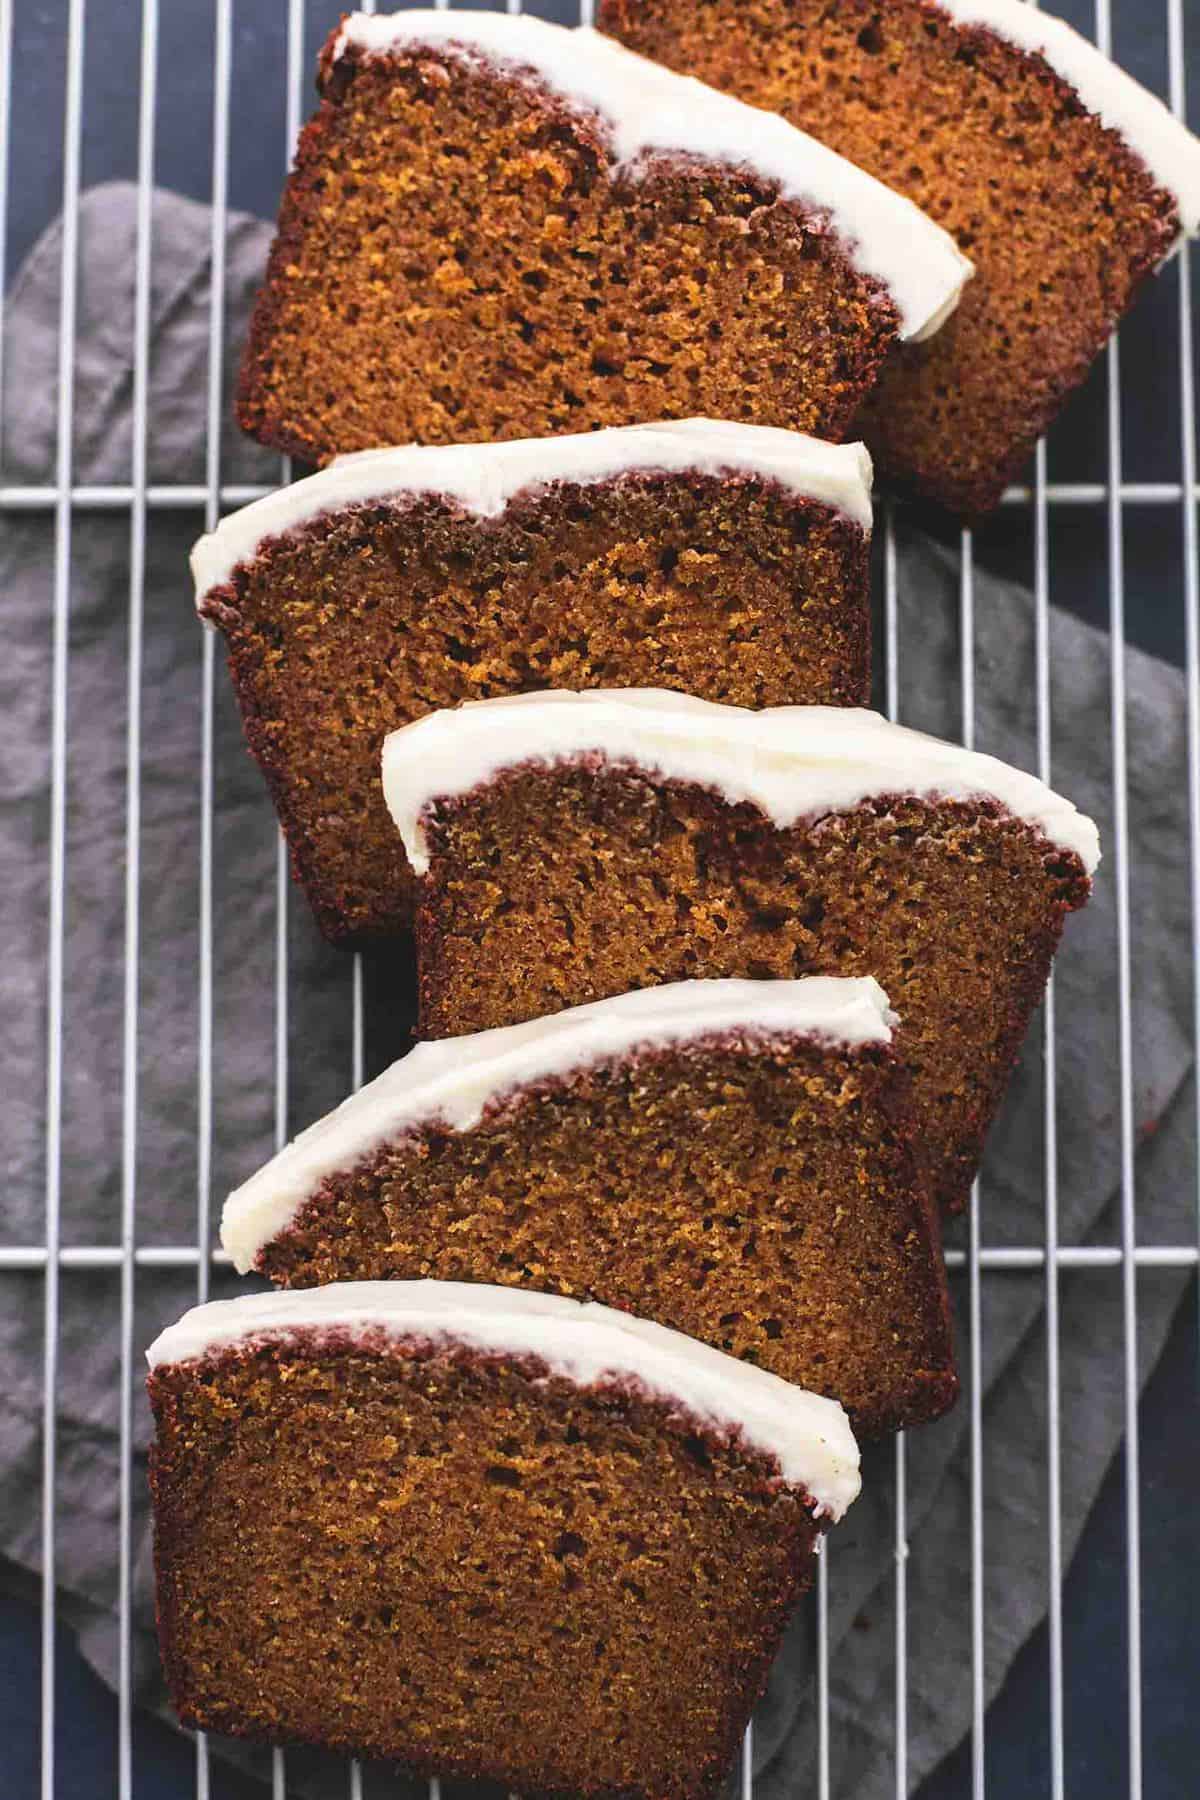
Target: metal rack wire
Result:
[[1044, 1261]]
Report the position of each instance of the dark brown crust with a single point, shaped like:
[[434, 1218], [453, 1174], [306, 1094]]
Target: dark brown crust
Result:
[[790, 1142], [663, 182], [954, 440], [194, 1422], [764, 933], [795, 630]]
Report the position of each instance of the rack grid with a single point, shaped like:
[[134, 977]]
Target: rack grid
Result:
[[65, 500]]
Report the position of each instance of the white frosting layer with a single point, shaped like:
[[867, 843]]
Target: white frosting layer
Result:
[[483, 478], [1168, 149], [588, 1344], [793, 762], [452, 1081], [648, 108]]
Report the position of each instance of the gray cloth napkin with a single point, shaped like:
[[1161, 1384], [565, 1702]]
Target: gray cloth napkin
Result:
[[319, 1028]]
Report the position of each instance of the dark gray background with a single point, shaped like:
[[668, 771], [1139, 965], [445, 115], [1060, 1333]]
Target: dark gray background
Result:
[[1094, 1662]]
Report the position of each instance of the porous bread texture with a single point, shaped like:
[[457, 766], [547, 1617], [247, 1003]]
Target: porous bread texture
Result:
[[362, 620], [806, 1438], [450, 1561], [551, 886], [1063, 220], [760, 1194], [459, 257]]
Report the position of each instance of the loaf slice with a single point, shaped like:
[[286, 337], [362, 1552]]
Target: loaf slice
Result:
[[576, 845], [482, 1532], [500, 228]]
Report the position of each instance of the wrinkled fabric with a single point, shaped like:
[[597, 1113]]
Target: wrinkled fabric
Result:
[[174, 1184]]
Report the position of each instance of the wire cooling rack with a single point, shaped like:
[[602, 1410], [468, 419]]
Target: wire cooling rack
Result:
[[1106, 512]]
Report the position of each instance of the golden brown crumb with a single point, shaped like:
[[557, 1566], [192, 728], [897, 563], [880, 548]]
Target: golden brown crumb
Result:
[[450, 1562], [459, 258]]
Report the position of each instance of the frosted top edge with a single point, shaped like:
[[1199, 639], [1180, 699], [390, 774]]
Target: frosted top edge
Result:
[[485, 478], [792, 762], [591, 1345], [451, 1082]]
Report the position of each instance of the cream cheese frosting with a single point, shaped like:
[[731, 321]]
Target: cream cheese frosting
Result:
[[792, 762], [1169, 150], [484, 478], [650, 109], [590, 1345], [452, 1081]]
